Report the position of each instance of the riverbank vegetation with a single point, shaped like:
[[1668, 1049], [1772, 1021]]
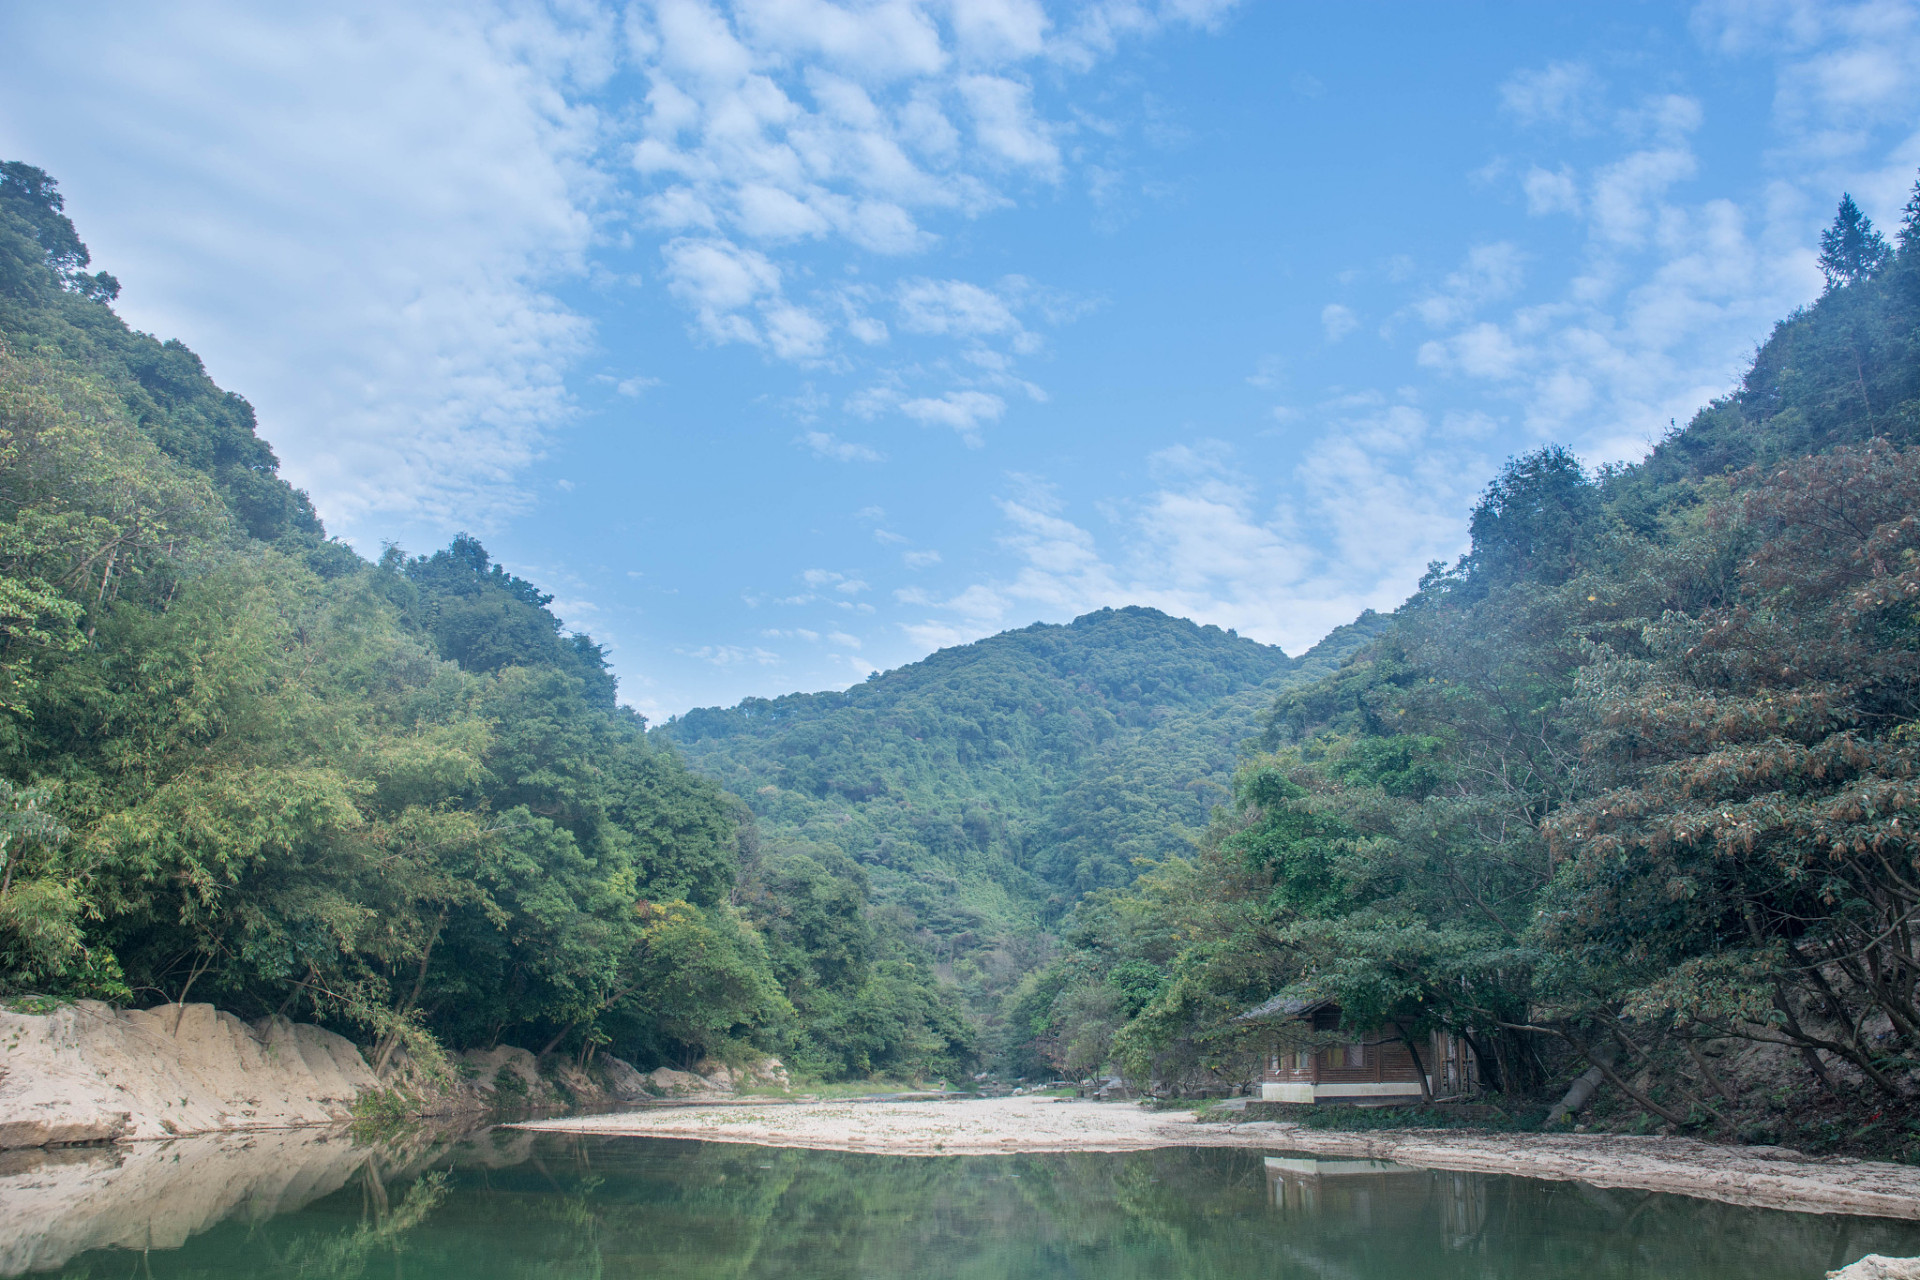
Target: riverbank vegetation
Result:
[[1631, 785], [240, 763]]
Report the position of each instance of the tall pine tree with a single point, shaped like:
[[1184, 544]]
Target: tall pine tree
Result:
[[1851, 250], [1910, 222]]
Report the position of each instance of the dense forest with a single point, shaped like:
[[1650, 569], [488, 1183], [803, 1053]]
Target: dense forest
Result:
[[240, 763], [988, 788], [1630, 788]]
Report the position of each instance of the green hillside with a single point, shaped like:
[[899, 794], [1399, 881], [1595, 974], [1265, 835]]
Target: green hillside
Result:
[[240, 763], [988, 788], [1629, 787]]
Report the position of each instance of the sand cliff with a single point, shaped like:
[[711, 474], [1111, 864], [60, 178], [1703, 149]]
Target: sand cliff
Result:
[[88, 1073]]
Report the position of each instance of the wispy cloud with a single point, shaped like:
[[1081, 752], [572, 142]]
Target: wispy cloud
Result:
[[1337, 321], [1561, 93], [772, 128], [826, 445], [410, 365], [1203, 543], [964, 411]]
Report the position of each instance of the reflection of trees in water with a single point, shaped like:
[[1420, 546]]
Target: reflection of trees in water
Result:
[[1470, 1224], [578, 1208], [384, 1229]]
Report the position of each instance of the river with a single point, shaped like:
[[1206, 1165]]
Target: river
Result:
[[427, 1205]]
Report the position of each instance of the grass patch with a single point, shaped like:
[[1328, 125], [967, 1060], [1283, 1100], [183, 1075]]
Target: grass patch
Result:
[[1361, 1119], [381, 1113], [833, 1092]]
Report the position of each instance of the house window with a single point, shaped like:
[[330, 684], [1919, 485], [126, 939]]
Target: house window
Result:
[[1302, 1059], [1356, 1054]]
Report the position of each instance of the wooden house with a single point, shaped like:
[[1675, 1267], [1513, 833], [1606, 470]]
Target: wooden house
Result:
[[1373, 1067]]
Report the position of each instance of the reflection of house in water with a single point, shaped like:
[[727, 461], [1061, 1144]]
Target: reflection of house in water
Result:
[[1373, 1066], [1377, 1194]]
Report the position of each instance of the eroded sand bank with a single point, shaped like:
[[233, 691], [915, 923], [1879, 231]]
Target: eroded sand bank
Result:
[[1762, 1177]]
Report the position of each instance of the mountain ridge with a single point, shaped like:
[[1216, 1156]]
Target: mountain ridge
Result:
[[988, 787]]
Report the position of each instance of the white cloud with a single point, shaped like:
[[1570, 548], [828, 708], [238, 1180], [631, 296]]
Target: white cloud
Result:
[[730, 655], [768, 123], [1627, 193], [827, 445], [635, 385], [718, 279], [964, 411], [795, 333], [1660, 312], [1269, 373], [1337, 321], [954, 308], [1491, 272], [1371, 503], [920, 559], [840, 582], [1551, 191], [1004, 124], [1562, 93]]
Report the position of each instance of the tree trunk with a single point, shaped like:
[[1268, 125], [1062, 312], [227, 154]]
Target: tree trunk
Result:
[[1419, 1068], [180, 1008], [392, 1039], [1706, 1072], [1640, 1100], [1579, 1094]]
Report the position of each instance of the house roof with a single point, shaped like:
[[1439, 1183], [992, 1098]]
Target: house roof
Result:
[[1284, 1006]]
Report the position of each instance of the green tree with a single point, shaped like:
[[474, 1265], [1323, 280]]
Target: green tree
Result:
[[1851, 250]]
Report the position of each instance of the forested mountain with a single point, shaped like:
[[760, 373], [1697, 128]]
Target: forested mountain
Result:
[[987, 788], [1631, 785], [238, 762]]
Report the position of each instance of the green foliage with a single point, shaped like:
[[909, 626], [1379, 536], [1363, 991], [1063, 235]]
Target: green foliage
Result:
[[1851, 250], [982, 792], [1634, 776], [239, 763], [162, 390]]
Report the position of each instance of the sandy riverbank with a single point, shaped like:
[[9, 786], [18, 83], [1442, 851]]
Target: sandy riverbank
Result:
[[1762, 1177]]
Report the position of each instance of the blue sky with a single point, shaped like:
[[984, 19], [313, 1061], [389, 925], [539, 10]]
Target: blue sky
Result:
[[786, 340]]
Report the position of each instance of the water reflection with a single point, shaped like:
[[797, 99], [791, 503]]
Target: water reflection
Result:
[[485, 1204]]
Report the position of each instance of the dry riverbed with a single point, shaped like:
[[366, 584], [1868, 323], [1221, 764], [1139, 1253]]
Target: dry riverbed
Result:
[[1763, 1177]]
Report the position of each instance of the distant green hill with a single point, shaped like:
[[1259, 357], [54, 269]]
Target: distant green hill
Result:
[[989, 787]]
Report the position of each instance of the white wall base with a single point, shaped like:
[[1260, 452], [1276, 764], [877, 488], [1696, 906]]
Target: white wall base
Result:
[[1292, 1091]]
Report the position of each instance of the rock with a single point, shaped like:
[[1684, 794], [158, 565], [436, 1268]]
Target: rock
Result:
[[505, 1070], [85, 1073], [774, 1072], [1877, 1266], [718, 1075], [676, 1084], [574, 1086], [622, 1082]]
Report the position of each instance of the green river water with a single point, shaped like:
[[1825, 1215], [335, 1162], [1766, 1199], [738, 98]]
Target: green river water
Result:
[[503, 1203]]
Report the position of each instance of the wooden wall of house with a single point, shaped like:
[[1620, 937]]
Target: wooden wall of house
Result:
[[1386, 1060]]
